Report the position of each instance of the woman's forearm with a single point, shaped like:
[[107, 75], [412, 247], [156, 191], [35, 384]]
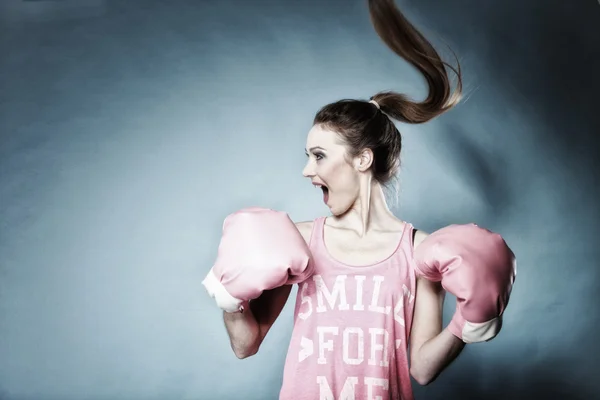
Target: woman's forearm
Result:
[[243, 331], [247, 330], [429, 360]]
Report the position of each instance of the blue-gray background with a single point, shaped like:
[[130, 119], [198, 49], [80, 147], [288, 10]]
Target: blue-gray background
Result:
[[130, 129]]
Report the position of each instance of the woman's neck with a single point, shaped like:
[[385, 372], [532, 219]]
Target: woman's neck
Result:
[[369, 212]]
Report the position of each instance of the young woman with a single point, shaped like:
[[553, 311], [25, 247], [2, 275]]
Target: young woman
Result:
[[363, 309]]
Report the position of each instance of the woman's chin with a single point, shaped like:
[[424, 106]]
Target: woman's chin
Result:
[[336, 211]]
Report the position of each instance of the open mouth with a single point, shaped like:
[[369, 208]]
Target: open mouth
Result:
[[325, 191]]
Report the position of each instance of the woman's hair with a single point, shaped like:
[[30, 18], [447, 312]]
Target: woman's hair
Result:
[[363, 124]]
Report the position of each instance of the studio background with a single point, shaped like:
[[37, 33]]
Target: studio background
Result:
[[130, 129]]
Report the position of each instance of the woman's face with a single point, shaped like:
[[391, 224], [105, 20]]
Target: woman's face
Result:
[[330, 169]]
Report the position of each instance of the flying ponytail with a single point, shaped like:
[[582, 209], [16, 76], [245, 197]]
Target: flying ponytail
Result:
[[362, 125], [407, 42]]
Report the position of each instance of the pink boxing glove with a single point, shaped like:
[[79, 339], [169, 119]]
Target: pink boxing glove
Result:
[[475, 265], [260, 249]]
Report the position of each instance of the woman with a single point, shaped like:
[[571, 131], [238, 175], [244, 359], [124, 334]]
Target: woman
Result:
[[354, 316]]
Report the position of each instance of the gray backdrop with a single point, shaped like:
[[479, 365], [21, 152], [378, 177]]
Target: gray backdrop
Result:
[[130, 129]]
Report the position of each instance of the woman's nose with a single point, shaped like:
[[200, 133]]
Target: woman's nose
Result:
[[308, 170]]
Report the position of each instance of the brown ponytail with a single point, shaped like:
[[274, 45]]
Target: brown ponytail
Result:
[[407, 42], [363, 125]]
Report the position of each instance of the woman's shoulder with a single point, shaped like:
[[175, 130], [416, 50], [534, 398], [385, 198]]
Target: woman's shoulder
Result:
[[305, 229]]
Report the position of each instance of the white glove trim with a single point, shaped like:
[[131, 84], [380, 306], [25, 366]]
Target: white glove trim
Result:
[[217, 291], [481, 332]]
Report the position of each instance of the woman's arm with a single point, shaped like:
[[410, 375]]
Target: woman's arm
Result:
[[432, 348], [247, 330]]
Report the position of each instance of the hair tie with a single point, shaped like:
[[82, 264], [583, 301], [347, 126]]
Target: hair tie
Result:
[[376, 104]]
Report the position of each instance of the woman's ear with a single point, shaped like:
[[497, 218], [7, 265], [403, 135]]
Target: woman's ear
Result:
[[364, 160]]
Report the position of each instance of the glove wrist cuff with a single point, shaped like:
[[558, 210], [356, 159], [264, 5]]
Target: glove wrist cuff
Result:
[[216, 290], [474, 332]]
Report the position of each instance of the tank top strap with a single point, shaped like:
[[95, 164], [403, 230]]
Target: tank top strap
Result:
[[407, 239], [316, 236], [407, 248]]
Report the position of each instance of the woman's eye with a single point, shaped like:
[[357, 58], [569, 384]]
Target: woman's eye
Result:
[[318, 156]]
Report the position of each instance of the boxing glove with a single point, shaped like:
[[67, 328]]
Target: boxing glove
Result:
[[260, 249], [475, 265]]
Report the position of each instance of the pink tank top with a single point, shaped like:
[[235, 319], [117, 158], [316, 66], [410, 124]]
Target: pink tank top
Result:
[[351, 326]]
